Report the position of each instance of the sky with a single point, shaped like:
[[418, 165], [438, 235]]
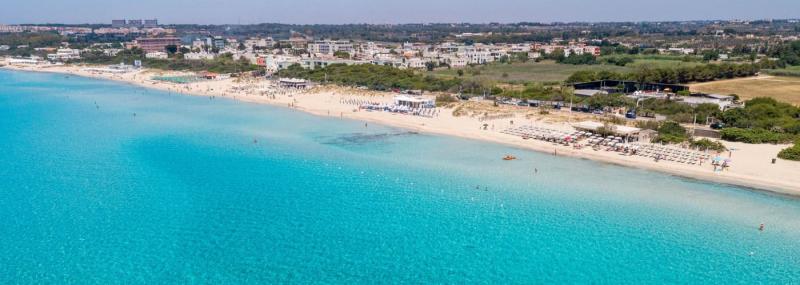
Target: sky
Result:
[[389, 12]]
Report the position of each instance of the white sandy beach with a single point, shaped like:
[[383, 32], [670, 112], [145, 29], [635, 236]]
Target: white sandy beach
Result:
[[752, 166]]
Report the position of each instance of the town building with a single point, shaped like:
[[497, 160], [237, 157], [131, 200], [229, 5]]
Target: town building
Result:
[[330, 47], [156, 44], [64, 54], [156, 55], [10, 29], [199, 56], [218, 42]]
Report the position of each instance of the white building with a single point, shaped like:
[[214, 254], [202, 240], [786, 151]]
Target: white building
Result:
[[330, 47], [474, 56], [198, 56], [33, 60], [415, 63], [63, 54], [723, 101], [156, 55]]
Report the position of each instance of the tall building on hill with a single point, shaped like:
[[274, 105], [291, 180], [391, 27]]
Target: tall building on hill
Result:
[[151, 23], [118, 23], [156, 44]]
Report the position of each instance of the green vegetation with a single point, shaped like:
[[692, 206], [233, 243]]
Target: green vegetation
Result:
[[762, 120], [766, 114], [444, 99], [755, 136], [679, 112], [791, 153], [793, 71], [671, 132], [378, 77], [788, 53], [600, 101], [31, 40], [672, 75], [586, 59], [536, 91], [341, 54], [222, 64], [707, 144], [546, 71]]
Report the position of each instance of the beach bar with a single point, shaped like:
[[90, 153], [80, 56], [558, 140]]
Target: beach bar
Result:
[[293, 83], [629, 133], [414, 102]]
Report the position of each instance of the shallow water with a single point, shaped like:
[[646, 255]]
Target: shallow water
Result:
[[182, 193]]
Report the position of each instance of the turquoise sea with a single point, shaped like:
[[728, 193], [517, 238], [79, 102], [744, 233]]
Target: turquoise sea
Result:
[[194, 190]]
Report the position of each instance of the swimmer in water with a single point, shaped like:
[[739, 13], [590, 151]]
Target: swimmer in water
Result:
[[761, 227]]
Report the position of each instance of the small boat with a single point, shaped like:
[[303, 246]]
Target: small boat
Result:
[[509, 157]]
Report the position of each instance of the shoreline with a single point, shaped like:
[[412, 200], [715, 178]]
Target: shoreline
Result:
[[753, 174]]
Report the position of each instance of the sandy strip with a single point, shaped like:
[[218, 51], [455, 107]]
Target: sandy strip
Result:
[[751, 168]]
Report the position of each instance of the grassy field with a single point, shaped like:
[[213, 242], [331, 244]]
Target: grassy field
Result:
[[786, 89], [545, 71], [658, 63], [793, 71]]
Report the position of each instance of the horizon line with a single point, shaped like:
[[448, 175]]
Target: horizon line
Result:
[[424, 23]]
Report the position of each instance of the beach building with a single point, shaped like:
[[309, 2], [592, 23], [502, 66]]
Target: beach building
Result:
[[628, 87], [32, 60], [64, 54], [589, 92], [414, 102], [723, 101], [114, 68], [629, 133], [296, 83]]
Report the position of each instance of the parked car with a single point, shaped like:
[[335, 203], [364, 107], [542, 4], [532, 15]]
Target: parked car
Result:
[[630, 114], [718, 125]]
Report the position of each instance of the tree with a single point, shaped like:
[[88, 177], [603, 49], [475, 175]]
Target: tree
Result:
[[460, 72], [171, 49], [671, 132], [341, 54], [430, 66]]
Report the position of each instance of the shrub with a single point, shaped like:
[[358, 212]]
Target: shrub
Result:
[[648, 125], [444, 99], [792, 153], [706, 144], [755, 136], [671, 132]]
